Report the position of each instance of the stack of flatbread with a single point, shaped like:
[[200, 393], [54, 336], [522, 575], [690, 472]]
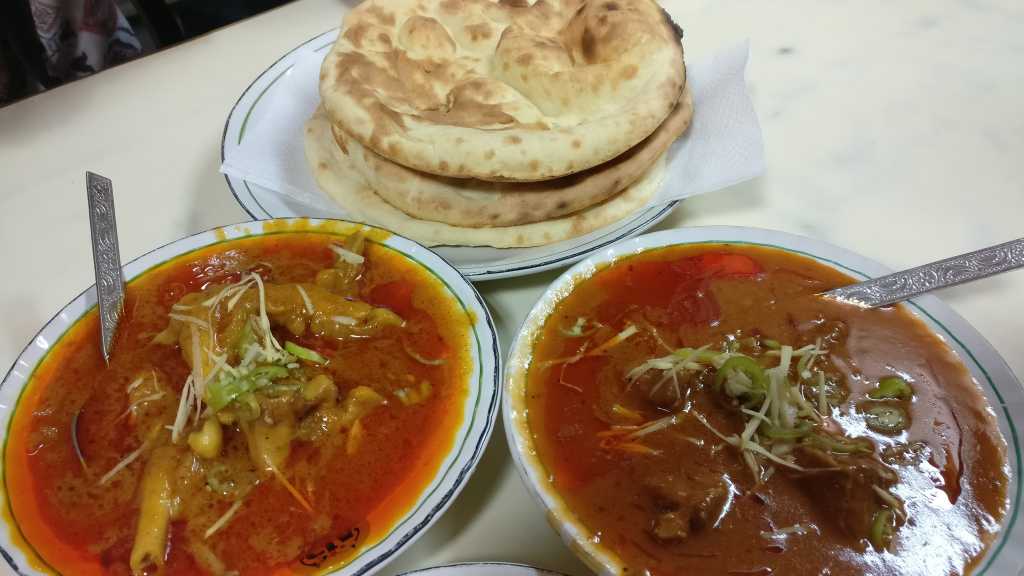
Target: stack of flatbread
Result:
[[501, 123]]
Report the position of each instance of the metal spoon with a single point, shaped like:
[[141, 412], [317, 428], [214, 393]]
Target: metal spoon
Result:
[[106, 257], [907, 284]]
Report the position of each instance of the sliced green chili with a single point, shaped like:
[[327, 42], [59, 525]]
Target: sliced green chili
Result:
[[745, 365], [893, 388], [886, 419], [883, 528]]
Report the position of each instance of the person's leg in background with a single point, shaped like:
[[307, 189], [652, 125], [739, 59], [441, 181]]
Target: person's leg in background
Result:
[[83, 36], [46, 42], [23, 68]]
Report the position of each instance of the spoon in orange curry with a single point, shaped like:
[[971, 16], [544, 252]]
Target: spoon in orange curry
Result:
[[106, 256], [907, 284]]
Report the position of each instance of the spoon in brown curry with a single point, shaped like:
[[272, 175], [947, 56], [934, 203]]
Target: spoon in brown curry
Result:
[[907, 284]]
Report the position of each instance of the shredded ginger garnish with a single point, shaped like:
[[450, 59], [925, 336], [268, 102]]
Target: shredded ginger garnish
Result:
[[607, 344], [345, 320], [891, 500], [140, 402], [223, 520], [305, 299], [135, 384], [190, 320], [127, 460], [347, 255], [657, 425], [184, 405]]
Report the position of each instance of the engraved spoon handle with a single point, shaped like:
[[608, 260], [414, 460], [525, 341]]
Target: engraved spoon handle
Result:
[[106, 257], [907, 284]]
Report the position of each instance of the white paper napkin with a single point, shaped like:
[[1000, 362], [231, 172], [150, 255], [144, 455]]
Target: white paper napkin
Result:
[[722, 147]]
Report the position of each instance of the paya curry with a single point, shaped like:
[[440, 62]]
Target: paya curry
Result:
[[272, 405]]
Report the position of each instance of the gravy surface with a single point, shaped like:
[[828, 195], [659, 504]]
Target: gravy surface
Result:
[[79, 524], [949, 458]]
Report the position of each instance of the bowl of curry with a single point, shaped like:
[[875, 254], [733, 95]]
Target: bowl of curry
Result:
[[685, 403], [283, 397]]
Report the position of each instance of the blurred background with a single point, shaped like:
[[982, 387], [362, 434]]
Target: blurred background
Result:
[[45, 43]]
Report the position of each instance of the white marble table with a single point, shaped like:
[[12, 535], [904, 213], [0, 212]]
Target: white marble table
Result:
[[892, 129]]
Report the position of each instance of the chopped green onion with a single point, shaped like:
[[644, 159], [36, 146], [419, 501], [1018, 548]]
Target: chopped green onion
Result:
[[283, 389], [246, 407], [892, 387], [771, 344], [699, 355], [304, 353], [222, 392], [822, 396], [268, 373], [779, 433], [886, 419]]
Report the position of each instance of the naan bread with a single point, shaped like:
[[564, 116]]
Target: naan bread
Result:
[[478, 203], [336, 177], [502, 89]]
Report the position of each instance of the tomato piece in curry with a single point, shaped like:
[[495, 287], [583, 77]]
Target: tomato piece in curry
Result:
[[273, 405], [701, 411]]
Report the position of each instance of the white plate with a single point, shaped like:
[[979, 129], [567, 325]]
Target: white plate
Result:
[[480, 406], [477, 263], [482, 569], [994, 377]]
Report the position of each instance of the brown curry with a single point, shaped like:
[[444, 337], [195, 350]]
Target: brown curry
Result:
[[272, 406], [700, 411]]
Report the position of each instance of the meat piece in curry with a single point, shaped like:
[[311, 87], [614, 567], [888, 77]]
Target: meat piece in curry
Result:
[[272, 404], [701, 411]]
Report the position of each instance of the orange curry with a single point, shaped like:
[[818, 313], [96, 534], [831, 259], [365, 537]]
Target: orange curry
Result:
[[701, 411], [272, 406]]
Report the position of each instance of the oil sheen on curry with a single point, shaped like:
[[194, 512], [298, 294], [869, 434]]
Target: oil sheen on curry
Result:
[[272, 405], [700, 411]]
